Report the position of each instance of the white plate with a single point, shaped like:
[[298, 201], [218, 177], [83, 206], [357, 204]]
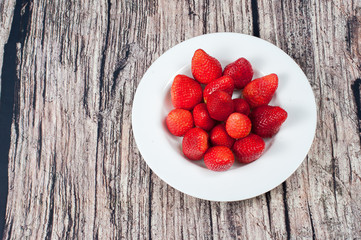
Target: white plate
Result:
[[284, 152]]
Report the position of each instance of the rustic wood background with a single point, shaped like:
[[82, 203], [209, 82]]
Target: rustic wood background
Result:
[[70, 168]]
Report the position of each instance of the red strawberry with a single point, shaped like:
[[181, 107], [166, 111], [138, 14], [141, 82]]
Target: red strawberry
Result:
[[185, 92], [267, 120], [260, 91], [219, 158], [224, 83], [205, 68], [238, 125], [202, 118], [220, 137], [179, 121], [241, 106], [249, 148], [220, 105], [195, 143], [241, 71]]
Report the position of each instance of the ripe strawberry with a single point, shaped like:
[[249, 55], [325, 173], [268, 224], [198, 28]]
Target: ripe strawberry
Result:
[[241, 71], [185, 92], [238, 125], [202, 118], [241, 106], [224, 83], [195, 143], [249, 148], [179, 121], [260, 91], [219, 158], [220, 137], [205, 68], [267, 120], [220, 105]]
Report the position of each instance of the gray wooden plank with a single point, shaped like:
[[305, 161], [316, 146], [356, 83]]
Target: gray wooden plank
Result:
[[323, 196]]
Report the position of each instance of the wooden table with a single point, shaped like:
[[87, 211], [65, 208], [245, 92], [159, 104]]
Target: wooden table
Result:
[[70, 167]]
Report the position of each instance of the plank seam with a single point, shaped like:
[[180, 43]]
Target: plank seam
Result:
[[150, 205], [211, 220], [287, 220], [9, 109], [255, 18]]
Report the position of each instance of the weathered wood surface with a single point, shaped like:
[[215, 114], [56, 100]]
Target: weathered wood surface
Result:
[[74, 169]]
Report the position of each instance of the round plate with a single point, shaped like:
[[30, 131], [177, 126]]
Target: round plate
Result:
[[284, 152]]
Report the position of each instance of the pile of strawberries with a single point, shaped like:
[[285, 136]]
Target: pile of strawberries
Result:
[[224, 127]]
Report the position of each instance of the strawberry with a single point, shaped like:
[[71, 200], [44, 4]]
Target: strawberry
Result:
[[241, 106], [220, 105], [202, 118], [195, 143], [205, 68], [220, 137], [219, 158], [179, 121], [241, 71], [249, 148], [260, 91], [185, 92], [267, 120], [224, 83], [238, 125]]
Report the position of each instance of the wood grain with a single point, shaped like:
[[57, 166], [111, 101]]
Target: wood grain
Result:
[[74, 168]]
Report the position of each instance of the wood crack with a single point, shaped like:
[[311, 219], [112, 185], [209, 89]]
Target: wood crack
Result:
[[356, 89], [100, 117], [40, 145], [70, 224], [191, 12], [311, 221], [44, 88], [121, 65], [44, 25], [287, 219], [35, 86], [150, 205], [49, 225], [102, 65], [351, 27], [255, 18], [100, 125], [350, 166], [268, 200], [333, 162], [211, 220], [205, 16], [10, 226]]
